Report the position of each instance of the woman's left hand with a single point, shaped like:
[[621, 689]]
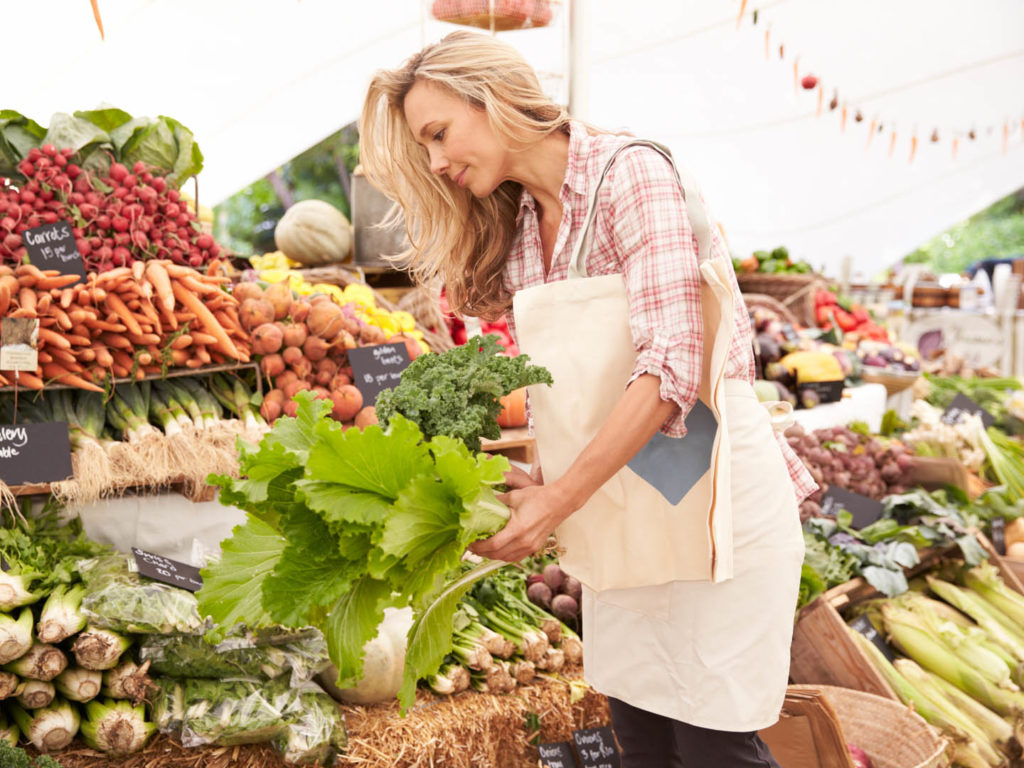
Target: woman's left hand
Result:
[[536, 511]]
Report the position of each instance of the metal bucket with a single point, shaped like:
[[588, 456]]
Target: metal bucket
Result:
[[369, 208]]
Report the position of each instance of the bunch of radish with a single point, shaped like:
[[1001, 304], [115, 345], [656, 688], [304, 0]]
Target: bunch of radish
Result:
[[554, 590], [304, 343], [117, 219]]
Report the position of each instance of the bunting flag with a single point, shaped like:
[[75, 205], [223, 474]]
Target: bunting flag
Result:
[[810, 81]]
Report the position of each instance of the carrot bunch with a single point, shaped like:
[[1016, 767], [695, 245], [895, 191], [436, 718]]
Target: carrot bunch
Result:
[[126, 322]]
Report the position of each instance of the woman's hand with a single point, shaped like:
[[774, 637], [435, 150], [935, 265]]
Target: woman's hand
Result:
[[536, 511]]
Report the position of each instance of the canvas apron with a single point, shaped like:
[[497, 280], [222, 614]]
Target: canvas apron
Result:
[[653, 544]]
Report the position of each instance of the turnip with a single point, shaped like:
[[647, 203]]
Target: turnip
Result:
[[553, 577], [565, 608], [366, 417], [291, 355]]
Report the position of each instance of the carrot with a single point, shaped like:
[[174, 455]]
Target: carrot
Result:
[[102, 325], [194, 362], [138, 270], [179, 357], [44, 357], [64, 356], [22, 312], [144, 358], [143, 339], [96, 16], [98, 296], [27, 299], [67, 298], [207, 339], [28, 275], [182, 342], [62, 317], [28, 380], [198, 286], [150, 312], [200, 352], [60, 373], [114, 304], [5, 298], [161, 282], [86, 355], [206, 318], [79, 341], [122, 358], [120, 371], [116, 275], [115, 341], [103, 357], [43, 302], [53, 339], [57, 281]]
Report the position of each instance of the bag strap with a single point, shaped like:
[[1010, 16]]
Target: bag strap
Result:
[[694, 210]]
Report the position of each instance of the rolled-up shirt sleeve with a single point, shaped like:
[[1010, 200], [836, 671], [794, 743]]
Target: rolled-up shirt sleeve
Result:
[[659, 263]]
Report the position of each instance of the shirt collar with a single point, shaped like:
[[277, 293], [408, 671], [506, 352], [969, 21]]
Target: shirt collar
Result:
[[575, 169]]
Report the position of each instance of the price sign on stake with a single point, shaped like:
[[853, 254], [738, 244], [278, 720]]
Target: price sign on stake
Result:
[[961, 405], [999, 534], [168, 571], [35, 453], [52, 246], [596, 748], [556, 755], [377, 368], [864, 509]]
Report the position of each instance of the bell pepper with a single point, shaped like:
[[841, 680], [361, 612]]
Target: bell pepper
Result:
[[824, 298], [844, 319]]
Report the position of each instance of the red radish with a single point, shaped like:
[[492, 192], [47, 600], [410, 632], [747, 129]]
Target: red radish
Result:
[[347, 402], [321, 393]]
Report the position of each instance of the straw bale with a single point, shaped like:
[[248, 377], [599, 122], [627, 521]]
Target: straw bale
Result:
[[469, 730]]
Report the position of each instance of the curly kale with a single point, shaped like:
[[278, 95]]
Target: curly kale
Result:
[[457, 393], [13, 757]]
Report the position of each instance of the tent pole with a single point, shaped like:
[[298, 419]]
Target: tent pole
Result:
[[576, 69]]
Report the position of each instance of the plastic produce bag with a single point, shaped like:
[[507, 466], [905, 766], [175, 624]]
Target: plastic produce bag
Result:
[[315, 732], [120, 599], [230, 712]]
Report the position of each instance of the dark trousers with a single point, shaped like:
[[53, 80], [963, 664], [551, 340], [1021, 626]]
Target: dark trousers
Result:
[[653, 741]]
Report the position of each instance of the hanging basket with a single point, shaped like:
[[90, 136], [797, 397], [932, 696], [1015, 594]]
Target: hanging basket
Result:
[[795, 291], [495, 15]]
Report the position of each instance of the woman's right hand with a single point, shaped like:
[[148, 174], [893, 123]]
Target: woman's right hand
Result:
[[516, 478]]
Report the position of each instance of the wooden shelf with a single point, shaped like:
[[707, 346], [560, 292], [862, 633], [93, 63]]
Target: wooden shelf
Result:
[[516, 444]]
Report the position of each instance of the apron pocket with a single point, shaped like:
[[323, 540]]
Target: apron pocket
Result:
[[651, 602]]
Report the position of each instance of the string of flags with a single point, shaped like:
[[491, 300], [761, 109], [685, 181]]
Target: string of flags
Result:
[[808, 81]]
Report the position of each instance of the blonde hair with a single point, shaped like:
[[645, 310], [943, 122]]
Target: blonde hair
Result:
[[454, 236]]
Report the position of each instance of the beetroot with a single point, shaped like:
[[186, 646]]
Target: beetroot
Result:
[[565, 608], [539, 594], [859, 757], [553, 577], [573, 588]]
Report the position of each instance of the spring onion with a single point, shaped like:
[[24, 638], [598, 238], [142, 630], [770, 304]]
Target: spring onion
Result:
[[97, 648], [116, 727], [35, 694], [41, 662], [50, 728], [61, 616], [77, 684], [15, 635]]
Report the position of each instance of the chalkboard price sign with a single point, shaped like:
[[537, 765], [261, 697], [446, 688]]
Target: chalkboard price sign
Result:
[[556, 755], [864, 509], [168, 571], [962, 405], [52, 246], [863, 625], [377, 368], [597, 748], [35, 453]]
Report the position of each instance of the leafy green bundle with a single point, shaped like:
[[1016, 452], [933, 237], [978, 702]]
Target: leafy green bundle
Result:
[[457, 393], [342, 524]]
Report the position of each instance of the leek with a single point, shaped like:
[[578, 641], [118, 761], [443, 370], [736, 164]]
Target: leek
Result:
[[15, 635], [15, 589], [77, 684], [49, 729], [130, 405], [116, 727], [40, 662], [162, 413], [211, 408], [127, 680], [61, 616], [34, 694], [181, 404], [97, 648], [977, 738], [8, 731], [8, 684], [236, 399]]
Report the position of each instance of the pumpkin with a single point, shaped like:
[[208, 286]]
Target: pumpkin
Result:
[[314, 232], [383, 664], [513, 409]]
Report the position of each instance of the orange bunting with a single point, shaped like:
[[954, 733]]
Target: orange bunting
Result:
[[796, 74], [1006, 136], [768, 43], [96, 15], [842, 122], [913, 147], [743, 8], [892, 143], [871, 131], [821, 98], [956, 143]]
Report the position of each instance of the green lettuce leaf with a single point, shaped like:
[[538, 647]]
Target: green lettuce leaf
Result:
[[18, 135], [232, 586], [107, 119], [352, 623]]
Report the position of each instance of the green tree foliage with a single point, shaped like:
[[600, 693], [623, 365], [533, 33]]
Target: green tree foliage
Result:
[[245, 221], [997, 231]]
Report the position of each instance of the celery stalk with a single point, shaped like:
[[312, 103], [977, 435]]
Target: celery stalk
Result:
[[40, 662], [35, 694], [116, 727], [8, 684], [15, 635], [49, 729], [99, 649], [61, 616], [77, 684]]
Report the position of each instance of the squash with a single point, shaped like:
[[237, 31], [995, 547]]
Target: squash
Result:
[[314, 232], [513, 409], [383, 664], [813, 366]]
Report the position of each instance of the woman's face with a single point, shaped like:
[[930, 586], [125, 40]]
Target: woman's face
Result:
[[458, 138]]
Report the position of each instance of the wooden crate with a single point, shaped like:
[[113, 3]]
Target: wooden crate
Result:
[[823, 651]]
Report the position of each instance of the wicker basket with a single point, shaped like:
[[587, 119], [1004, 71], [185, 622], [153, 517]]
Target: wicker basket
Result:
[[495, 15], [894, 381], [764, 301], [892, 734], [794, 291]]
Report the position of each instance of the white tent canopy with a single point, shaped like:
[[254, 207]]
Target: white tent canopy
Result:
[[260, 80]]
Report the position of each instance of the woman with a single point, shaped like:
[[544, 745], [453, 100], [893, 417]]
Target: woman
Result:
[[675, 502]]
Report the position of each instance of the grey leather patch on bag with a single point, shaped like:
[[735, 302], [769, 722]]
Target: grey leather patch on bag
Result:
[[673, 465]]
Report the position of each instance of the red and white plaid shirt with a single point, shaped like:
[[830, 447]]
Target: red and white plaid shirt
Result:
[[641, 231]]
